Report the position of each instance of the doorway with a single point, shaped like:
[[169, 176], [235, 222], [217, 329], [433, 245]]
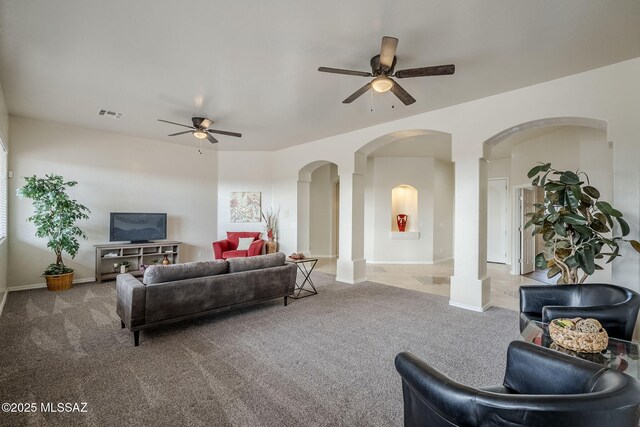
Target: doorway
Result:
[[497, 220]]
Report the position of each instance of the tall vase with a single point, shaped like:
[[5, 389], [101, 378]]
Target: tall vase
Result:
[[165, 260], [401, 219]]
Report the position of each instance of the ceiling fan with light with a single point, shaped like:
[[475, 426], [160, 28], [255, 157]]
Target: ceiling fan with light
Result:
[[382, 68], [201, 130]]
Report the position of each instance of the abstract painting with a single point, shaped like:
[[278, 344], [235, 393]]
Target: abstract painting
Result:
[[245, 206]]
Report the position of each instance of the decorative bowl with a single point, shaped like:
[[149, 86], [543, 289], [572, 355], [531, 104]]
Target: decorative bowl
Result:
[[581, 335]]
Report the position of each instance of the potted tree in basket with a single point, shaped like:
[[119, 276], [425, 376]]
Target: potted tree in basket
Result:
[[575, 225], [55, 215]]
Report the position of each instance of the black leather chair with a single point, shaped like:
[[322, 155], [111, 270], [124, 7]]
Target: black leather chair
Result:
[[541, 387], [615, 307]]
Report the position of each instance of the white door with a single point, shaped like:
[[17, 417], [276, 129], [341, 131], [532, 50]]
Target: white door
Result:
[[497, 221], [527, 241]]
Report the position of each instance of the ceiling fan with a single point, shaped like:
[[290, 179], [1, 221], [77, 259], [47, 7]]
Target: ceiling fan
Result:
[[201, 130], [382, 67]]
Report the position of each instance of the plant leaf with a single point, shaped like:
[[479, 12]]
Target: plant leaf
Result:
[[553, 271], [559, 229], [534, 171], [541, 263], [591, 191], [624, 227], [569, 178], [635, 245]]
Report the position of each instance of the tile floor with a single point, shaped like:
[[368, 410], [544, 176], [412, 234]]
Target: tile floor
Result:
[[434, 279]]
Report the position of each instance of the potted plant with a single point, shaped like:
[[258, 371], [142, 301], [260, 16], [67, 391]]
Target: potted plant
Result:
[[124, 266], [575, 225], [55, 215]]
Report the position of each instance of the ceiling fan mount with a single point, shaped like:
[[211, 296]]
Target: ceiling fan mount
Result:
[[201, 129], [383, 69]]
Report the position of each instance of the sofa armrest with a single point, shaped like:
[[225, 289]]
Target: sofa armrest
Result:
[[431, 397], [255, 248], [219, 247], [131, 297]]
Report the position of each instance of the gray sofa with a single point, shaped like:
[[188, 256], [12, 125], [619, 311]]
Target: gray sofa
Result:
[[178, 292]]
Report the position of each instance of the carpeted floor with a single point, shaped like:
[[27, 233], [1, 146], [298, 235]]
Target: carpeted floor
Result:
[[325, 360]]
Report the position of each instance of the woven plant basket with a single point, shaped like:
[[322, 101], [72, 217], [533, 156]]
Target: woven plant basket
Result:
[[581, 335], [59, 282]]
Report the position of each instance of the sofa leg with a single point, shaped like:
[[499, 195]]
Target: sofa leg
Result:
[[136, 338], [285, 301], [122, 324]]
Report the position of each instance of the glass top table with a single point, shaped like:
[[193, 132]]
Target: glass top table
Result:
[[619, 354]]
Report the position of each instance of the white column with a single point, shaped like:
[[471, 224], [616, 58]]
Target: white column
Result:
[[470, 286], [302, 244], [351, 267]]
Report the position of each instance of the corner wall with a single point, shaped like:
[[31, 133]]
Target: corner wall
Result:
[[4, 243], [114, 173]]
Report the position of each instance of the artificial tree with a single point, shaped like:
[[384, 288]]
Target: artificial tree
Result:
[[575, 225], [55, 215]]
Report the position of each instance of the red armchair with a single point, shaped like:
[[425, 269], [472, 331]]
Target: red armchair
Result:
[[228, 248]]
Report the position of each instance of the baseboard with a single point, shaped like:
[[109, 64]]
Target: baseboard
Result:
[[4, 300], [401, 262], [438, 261], [43, 285], [470, 307]]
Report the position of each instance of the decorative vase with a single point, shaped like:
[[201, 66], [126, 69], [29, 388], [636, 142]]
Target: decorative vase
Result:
[[271, 246], [402, 222], [165, 261], [123, 269]]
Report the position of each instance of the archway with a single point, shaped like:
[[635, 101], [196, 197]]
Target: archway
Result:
[[318, 209], [569, 143], [414, 159]]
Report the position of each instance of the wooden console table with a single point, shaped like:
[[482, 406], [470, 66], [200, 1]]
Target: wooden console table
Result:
[[136, 253]]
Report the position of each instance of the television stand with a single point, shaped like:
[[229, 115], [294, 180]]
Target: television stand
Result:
[[136, 253]]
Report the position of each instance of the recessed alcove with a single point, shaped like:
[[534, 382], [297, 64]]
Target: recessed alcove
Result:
[[404, 200]]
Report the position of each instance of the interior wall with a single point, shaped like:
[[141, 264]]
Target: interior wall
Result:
[[443, 228], [4, 245], [114, 173], [246, 171], [321, 202], [569, 148], [389, 172]]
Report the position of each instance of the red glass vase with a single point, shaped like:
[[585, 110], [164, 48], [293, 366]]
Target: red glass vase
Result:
[[402, 222]]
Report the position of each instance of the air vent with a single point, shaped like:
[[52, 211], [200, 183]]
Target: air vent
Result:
[[109, 113]]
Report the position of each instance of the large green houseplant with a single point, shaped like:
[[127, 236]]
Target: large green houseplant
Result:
[[575, 225], [55, 215]]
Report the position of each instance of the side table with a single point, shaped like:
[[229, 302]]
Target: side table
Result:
[[305, 266]]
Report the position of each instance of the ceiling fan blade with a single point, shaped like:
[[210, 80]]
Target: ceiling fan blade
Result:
[[224, 132], [181, 133], [347, 72], [211, 139], [438, 70], [357, 93], [388, 51], [402, 94], [174, 123]]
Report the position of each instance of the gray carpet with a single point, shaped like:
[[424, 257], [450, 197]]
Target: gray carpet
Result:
[[325, 360]]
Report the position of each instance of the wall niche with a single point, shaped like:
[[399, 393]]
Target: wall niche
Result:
[[404, 200]]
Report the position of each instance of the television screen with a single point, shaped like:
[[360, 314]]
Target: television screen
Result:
[[137, 227]]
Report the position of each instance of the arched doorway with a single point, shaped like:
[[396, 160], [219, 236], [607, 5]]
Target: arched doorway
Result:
[[318, 209], [568, 143]]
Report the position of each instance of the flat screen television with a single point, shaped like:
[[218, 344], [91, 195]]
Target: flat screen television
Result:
[[137, 227]]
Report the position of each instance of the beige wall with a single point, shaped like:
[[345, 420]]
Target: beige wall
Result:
[[4, 135], [321, 203], [444, 190], [114, 173]]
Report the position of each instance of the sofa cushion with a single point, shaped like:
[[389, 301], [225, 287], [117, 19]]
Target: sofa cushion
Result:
[[189, 270], [234, 254], [255, 262]]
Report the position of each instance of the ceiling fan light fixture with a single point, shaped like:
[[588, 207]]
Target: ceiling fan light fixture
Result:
[[200, 134], [382, 83]]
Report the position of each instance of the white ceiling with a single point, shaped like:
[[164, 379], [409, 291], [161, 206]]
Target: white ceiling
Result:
[[432, 144], [251, 65]]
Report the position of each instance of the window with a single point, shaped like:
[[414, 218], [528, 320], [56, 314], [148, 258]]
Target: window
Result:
[[3, 190]]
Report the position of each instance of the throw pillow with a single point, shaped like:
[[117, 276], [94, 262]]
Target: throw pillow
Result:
[[244, 243]]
